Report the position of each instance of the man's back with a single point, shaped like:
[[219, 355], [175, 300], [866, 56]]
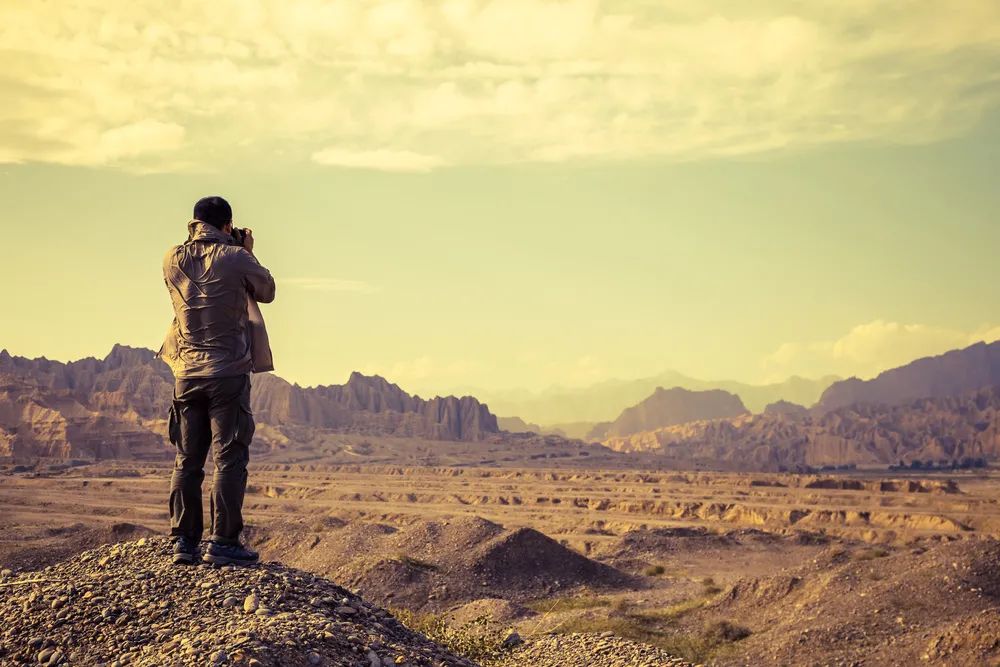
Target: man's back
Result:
[[211, 280], [215, 342]]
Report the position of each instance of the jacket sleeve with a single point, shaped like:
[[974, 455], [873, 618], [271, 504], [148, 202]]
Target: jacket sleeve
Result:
[[256, 278]]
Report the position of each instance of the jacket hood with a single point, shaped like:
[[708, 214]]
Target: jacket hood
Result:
[[202, 231]]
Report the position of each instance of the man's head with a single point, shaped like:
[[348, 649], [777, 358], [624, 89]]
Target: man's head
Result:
[[216, 211]]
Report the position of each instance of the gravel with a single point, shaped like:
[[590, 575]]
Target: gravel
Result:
[[588, 650], [127, 604]]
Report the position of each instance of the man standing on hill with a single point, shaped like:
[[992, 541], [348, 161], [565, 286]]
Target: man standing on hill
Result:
[[216, 340]]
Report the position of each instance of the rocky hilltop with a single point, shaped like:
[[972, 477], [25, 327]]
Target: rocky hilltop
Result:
[[125, 604], [116, 408], [667, 407], [948, 374], [938, 430]]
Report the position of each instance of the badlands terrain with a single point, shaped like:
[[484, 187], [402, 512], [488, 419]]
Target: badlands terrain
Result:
[[696, 525], [588, 566]]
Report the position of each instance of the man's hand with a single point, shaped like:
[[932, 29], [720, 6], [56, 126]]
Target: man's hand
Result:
[[248, 240]]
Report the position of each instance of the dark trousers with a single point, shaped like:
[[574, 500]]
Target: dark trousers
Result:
[[210, 413]]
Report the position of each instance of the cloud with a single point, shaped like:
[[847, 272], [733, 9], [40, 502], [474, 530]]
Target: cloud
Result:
[[868, 349], [380, 160], [145, 136], [411, 85], [328, 285]]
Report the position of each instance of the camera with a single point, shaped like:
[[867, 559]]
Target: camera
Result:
[[239, 235]]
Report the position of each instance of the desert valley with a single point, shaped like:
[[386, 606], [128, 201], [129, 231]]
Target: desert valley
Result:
[[860, 530]]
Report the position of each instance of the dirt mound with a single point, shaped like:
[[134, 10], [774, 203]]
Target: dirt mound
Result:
[[126, 604], [435, 564], [38, 547], [870, 605], [525, 559]]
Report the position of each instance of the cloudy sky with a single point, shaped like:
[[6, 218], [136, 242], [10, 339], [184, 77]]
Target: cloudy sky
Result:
[[514, 193]]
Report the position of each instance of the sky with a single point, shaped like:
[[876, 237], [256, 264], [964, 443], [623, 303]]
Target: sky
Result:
[[514, 193]]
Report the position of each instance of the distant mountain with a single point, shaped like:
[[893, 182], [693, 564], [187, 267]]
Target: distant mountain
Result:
[[786, 408], [116, 408], [604, 401], [949, 374], [518, 425], [667, 407], [938, 430]]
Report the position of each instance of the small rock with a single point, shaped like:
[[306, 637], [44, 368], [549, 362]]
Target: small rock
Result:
[[315, 658], [511, 640], [251, 603], [44, 655], [230, 601], [219, 657], [346, 610]]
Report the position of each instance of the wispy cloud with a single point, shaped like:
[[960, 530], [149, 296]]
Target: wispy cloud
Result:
[[328, 285], [869, 349], [411, 85], [380, 159]]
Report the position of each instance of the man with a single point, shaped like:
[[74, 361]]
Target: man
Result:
[[216, 340]]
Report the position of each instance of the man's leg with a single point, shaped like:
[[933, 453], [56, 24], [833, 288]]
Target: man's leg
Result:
[[232, 431], [190, 431]]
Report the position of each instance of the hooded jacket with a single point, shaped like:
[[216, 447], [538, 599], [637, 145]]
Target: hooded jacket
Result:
[[215, 286]]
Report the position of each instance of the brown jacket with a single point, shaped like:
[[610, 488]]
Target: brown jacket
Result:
[[215, 285]]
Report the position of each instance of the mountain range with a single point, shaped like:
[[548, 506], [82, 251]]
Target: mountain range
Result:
[[116, 408], [576, 410], [942, 408]]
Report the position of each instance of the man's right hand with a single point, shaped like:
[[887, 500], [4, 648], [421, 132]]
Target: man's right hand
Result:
[[248, 240]]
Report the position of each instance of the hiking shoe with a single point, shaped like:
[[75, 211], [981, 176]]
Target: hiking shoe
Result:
[[229, 554], [185, 551]]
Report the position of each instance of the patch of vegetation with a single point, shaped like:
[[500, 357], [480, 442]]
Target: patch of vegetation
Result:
[[656, 628], [480, 640], [654, 571], [416, 563], [709, 587], [548, 605], [870, 553]]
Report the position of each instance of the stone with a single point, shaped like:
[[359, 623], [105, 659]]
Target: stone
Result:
[[315, 658], [230, 601], [251, 603]]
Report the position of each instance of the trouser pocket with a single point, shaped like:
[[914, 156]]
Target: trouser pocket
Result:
[[245, 426], [174, 425]]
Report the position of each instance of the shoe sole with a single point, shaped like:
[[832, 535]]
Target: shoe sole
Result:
[[185, 559], [226, 560]]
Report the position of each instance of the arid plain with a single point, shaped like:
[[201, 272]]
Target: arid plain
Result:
[[720, 568]]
